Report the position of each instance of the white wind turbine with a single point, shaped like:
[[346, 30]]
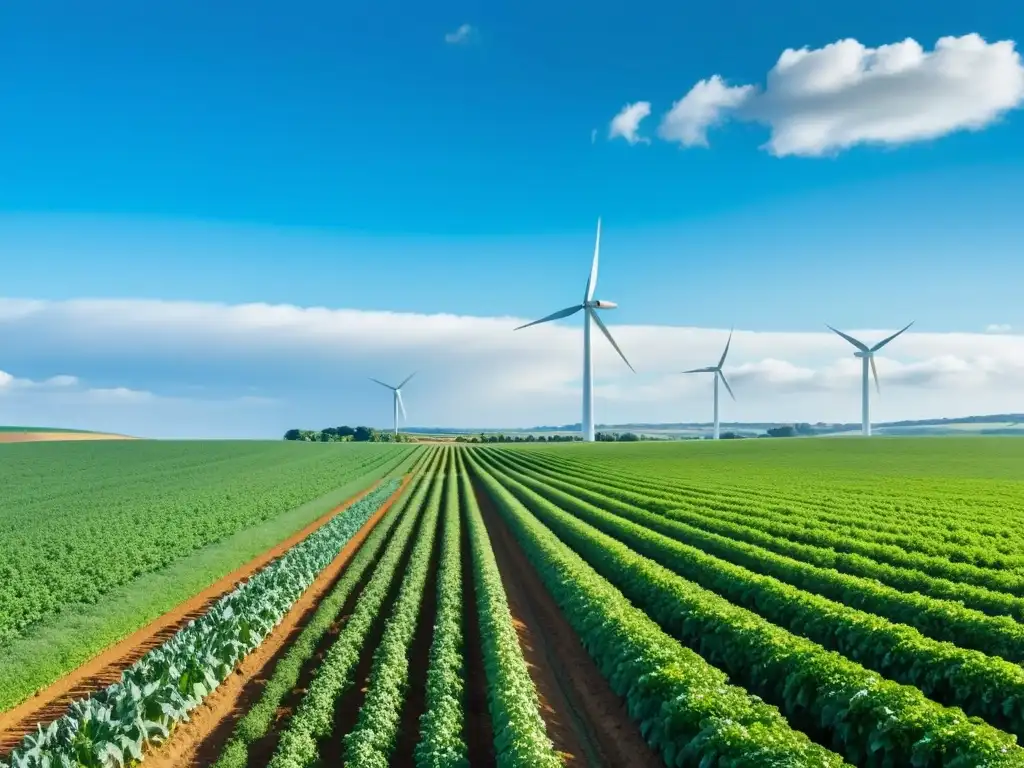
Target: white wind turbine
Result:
[[589, 307], [398, 396], [717, 371], [867, 356]]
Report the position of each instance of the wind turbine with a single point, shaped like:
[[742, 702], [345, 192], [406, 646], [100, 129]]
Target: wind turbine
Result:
[[589, 307], [398, 396], [717, 371], [867, 356]]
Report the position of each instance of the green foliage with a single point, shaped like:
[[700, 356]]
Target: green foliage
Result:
[[158, 691], [314, 717], [77, 521], [373, 739], [986, 686], [258, 720], [871, 721], [441, 743], [685, 708], [346, 435]]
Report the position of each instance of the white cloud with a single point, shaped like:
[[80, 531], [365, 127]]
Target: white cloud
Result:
[[257, 369], [627, 122], [823, 100], [998, 328], [460, 35], [703, 107]]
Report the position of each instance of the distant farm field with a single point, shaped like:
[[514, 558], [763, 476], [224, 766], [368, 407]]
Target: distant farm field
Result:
[[781, 602], [87, 531]]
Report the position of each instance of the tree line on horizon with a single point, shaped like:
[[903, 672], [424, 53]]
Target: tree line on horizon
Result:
[[346, 434]]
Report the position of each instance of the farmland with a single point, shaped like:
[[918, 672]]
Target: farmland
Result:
[[744, 603]]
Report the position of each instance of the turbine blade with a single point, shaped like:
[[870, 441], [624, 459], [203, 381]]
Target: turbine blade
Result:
[[858, 344], [592, 280], [701, 370], [886, 340], [406, 379], [608, 336], [726, 382], [726, 352], [554, 316], [401, 405], [382, 383], [874, 372]]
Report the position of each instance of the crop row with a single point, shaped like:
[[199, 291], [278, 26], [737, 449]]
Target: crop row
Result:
[[869, 720], [115, 725], [685, 708], [260, 718], [818, 570], [982, 685], [314, 717], [935, 536]]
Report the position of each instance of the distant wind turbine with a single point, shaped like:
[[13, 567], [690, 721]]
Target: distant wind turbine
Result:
[[717, 371], [398, 396], [589, 307], [867, 356]]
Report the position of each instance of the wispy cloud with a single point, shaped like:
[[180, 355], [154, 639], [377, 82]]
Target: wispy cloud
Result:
[[998, 328], [461, 35], [259, 369], [824, 100], [626, 124]]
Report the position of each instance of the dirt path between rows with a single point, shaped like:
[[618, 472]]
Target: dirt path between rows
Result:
[[105, 668], [586, 721]]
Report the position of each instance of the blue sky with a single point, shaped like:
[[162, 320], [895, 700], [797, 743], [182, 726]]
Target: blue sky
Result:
[[347, 156]]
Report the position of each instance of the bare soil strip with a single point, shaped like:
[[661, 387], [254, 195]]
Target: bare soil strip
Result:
[[586, 721], [106, 668], [39, 437], [346, 713], [200, 741], [479, 730], [419, 662]]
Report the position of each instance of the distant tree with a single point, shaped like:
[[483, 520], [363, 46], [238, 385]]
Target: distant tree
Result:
[[785, 431], [628, 437], [362, 434], [293, 434], [730, 436]]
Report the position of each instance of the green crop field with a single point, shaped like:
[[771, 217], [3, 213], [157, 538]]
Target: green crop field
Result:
[[805, 602]]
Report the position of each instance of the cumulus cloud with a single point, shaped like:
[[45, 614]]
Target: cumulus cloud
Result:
[[998, 328], [706, 105], [822, 100], [461, 35], [257, 370], [627, 122]]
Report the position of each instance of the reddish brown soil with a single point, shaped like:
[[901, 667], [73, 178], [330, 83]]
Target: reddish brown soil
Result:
[[419, 662], [346, 713], [479, 731], [38, 437], [106, 668], [201, 739], [586, 721]]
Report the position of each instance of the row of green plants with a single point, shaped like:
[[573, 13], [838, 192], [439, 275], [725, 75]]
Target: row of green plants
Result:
[[685, 708], [986, 686], [442, 743], [314, 716], [372, 741], [949, 523], [869, 720], [74, 542], [947, 620], [520, 738], [961, 559], [114, 726], [260, 718]]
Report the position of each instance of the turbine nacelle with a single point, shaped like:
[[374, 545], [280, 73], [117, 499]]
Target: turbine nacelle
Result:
[[599, 304], [858, 353]]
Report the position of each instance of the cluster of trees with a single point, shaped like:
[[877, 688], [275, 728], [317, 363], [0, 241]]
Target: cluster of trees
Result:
[[346, 435], [792, 430], [485, 437]]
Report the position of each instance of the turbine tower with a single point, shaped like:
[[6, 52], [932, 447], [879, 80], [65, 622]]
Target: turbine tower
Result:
[[867, 356], [589, 307], [717, 371], [398, 396]]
